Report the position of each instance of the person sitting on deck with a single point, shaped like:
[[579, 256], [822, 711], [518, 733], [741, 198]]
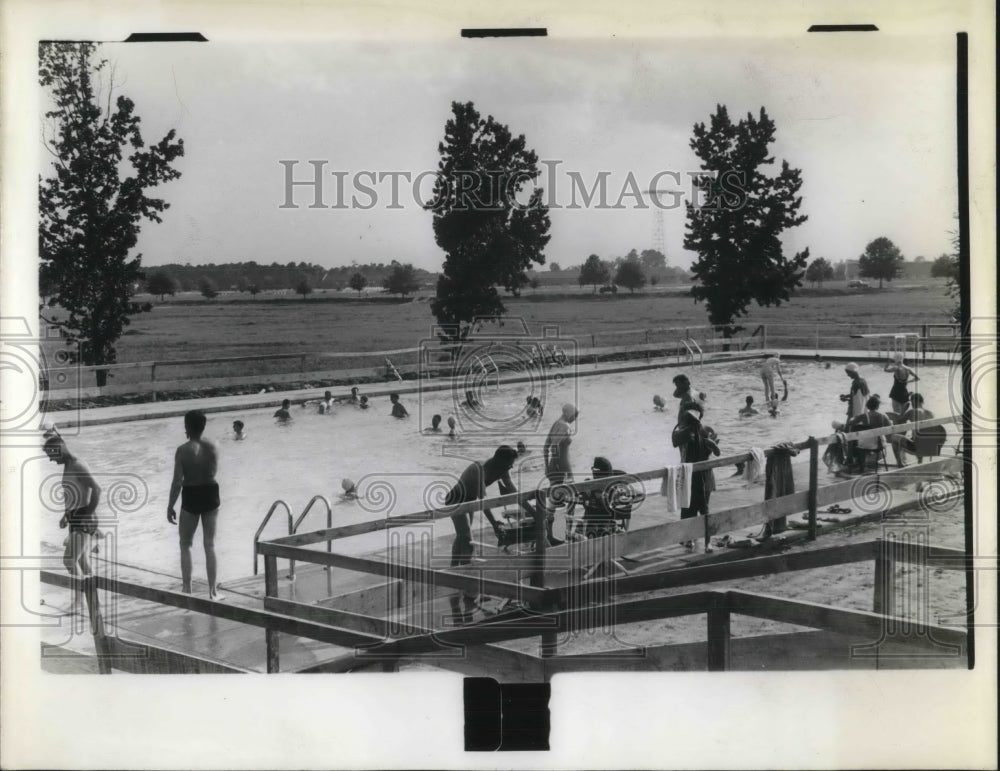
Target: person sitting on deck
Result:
[[283, 415], [748, 410], [238, 434], [901, 444], [605, 510], [870, 419], [658, 403], [398, 410]]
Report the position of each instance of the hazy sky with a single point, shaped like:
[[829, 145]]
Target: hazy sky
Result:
[[868, 118]]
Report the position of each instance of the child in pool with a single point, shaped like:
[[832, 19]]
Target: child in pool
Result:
[[363, 404], [435, 427], [452, 433], [350, 492], [238, 434], [398, 410], [748, 410], [658, 403]]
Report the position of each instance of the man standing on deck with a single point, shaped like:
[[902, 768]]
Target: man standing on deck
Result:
[[195, 464], [557, 466], [80, 494], [858, 394]]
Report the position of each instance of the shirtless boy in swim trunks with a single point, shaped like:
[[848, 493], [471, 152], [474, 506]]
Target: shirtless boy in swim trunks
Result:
[[195, 464], [80, 493]]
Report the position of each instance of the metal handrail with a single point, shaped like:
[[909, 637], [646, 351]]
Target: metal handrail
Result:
[[295, 527], [256, 536], [701, 355], [688, 348]]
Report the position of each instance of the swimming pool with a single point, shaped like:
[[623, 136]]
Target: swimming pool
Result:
[[405, 469]]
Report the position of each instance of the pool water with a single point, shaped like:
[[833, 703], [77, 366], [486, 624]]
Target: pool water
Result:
[[400, 468]]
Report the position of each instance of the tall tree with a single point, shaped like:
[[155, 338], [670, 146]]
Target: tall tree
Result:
[[161, 283], [593, 271], [819, 270], [735, 227], [358, 282], [402, 280], [882, 260], [489, 237], [207, 288], [92, 205], [653, 259], [944, 266], [630, 275], [303, 287]]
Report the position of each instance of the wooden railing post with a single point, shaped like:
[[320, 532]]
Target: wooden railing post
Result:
[[813, 484], [717, 644], [102, 646], [272, 636], [885, 579]]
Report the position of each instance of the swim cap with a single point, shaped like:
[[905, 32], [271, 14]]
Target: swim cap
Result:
[[569, 411], [852, 367]]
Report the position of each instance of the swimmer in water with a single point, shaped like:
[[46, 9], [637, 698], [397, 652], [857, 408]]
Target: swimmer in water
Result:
[[471, 401], [363, 404], [770, 367], [283, 415], [398, 410], [521, 449], [772, 407], [658, 403], [452, 433], [326, 405], [746, 412], [350, 491], [238, 434], [435, 425]]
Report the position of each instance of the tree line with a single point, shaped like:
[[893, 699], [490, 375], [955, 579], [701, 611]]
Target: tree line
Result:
[[302, 278]]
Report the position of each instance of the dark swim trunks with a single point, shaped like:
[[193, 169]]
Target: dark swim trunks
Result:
[[200, 499], [80, 521]]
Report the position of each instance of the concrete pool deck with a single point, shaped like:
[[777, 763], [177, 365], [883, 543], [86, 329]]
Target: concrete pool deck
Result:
[[224, 645], [121, 413]]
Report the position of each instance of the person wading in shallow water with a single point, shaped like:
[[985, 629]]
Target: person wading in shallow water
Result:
[[195, 465]]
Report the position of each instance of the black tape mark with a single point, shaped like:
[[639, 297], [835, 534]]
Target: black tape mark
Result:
[[166, 37], [505, 718], [507, 32], [843, 28]]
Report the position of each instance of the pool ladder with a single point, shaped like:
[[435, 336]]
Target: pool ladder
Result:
[[691, 345], [487, 365], [293, 527]]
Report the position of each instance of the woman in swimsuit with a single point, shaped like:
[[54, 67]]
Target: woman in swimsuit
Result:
[[770, 367], [901, 374]]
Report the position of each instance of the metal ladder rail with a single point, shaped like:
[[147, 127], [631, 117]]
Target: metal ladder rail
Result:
[[390, 369], [690, 353], [701, 355], [263, 524], [295, 528]]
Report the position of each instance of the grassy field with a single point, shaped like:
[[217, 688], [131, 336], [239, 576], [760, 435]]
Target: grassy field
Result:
[[185, 327]]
